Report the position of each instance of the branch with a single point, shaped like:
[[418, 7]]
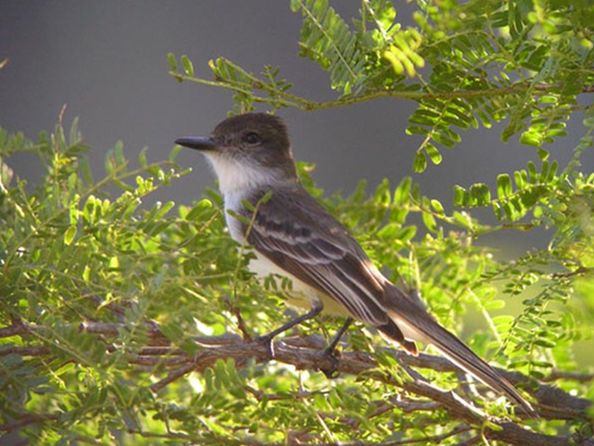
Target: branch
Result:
[[435, 439], [17, 328], [556, 375], [279, 97], [24, 420], [23, 351], [577, 272], [306, 353]]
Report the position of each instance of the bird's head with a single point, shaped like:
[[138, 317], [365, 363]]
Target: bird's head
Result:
[[246, 151]]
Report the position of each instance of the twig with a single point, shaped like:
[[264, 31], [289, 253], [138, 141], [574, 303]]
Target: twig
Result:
[[434, 439], [158, 361], [260, 396], [24, 420], [13, 330], [23, 351], [172, 376], [471, 441], [240, 321], [556, 375], [408, 405], [576, 272]]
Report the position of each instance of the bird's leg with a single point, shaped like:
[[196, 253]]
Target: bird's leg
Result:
[[336, 339], [267, 338], [329, 351]]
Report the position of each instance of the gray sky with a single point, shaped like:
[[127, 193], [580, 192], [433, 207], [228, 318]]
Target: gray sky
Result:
[[107, 61]]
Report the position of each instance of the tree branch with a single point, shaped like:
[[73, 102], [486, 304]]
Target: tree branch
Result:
[[576, 272], [435, 439], [306, 353], [556, 375], [24, 420], [280, 97]]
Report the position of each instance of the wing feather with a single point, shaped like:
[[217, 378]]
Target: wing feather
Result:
[[297, 234]]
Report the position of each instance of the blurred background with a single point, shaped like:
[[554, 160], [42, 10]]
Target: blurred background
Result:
[[106, 61]]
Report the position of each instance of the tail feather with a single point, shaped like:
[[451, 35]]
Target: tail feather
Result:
[[416, 324]]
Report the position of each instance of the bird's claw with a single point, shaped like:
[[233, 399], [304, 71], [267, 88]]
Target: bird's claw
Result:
[[266, 341], [332, 371]]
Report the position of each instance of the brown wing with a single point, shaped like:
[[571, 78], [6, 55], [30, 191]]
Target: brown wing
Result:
[[292, 230]]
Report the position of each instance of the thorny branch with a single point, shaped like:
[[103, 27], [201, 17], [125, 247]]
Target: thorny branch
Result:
[[306, 353]]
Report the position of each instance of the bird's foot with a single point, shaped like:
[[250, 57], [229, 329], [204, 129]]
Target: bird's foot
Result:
[[266, 341], [329, 355], [410, 347]]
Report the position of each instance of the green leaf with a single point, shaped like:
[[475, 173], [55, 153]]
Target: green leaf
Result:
[[429, 221], [69, 235], [504, 187], [460, 196], [543, 154], [187, 64], [437, 206], [172, 61], [406, 233], [402, 192], [543, 342], [480, 194], [420, 163], [433, 153], [174, 152], [142, 160]]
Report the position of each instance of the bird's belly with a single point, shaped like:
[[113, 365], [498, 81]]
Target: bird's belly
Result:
[[300, 294]]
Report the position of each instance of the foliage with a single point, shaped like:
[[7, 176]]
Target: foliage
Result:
[[103, 294]]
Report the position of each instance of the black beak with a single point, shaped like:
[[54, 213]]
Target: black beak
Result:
[[197, 142]]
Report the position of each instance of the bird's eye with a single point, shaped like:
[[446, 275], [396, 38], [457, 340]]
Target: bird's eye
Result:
[[252, 138]]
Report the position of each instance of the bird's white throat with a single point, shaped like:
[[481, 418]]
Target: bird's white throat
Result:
[[237, 181], [240, 177]]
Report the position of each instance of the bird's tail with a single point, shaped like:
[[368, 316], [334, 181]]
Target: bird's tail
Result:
[[417, 325]]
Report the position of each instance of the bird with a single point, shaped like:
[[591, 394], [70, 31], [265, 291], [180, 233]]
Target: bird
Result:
[[294, 236]]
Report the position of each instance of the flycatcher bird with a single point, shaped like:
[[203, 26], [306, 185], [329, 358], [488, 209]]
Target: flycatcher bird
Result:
[[295, 237]]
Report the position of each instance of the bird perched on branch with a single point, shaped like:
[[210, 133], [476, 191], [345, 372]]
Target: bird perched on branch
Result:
[[295, 237]]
